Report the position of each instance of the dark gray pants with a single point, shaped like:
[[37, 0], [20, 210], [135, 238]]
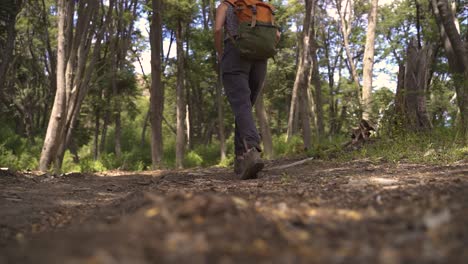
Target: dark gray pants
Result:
[[243, 81]]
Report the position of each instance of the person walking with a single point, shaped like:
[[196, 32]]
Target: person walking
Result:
[[243, 81]]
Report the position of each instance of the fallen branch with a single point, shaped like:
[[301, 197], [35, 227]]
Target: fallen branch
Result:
[[282, 167]]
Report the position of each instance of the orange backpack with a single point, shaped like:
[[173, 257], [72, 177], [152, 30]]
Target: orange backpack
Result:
[[253, 11], [256, 37]]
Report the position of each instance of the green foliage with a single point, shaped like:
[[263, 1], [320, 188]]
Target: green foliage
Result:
[[437, 147], [227, 162], [283, 148], [382, 100], [192, 159], [209, 152], [328, 148], [23, 161], [17, 152]]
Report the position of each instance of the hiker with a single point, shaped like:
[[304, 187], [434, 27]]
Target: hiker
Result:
[[243, 71]]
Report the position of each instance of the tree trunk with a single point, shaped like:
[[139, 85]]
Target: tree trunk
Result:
[[415, 86], [457, 54], [219, 97], [305, 111], [58, 115], [219, 104], [346, 31], [318, 103], [145, 126], [331, 67], [105, 125], [303, 69], [117, 135], [77, 39], [180, 138], [368, 63], [96, 134], [262, 119], [400, 94]]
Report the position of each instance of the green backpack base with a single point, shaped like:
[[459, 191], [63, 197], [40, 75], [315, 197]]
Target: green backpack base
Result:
[[258, 42]]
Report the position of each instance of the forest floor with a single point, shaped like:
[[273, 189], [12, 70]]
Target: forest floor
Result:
[[316, 212]]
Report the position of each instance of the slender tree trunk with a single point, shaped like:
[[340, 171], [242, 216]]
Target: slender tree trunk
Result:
[[144, 127], [97, 122], [318, 102], [78, 37], [368, 63], [332, 110], [400, 94], [51, 58], [188, 128], [117, 134], [305, 117], [58, 115], [105, 125], [346, 31], [115, 90], [303, 69], [219, 104], [264, 126], [279, 128], [180, 138], [219, 97], [296, 121]]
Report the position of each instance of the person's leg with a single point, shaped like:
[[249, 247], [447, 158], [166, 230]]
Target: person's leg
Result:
[[256, 79], [239, 148], [236, 74]]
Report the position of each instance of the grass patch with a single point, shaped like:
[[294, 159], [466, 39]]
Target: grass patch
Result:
[[436, 147]]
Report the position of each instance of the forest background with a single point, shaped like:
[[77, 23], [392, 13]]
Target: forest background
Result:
[[75, 92]]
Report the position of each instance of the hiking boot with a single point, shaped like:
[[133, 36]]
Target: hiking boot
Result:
[[252, 164], [238, 165]]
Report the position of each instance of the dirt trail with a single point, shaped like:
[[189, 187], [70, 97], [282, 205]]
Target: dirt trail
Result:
[[316, 212]]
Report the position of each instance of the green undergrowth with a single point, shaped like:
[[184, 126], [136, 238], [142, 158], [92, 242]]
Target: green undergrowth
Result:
[[436, 147]]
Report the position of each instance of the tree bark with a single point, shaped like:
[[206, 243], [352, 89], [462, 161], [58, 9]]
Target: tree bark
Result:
[[303, 69], [305, 110], [156, 88], [105, 125], [219, 97], [58, 115], [219, 104], [415, 86], [74, 72], [457, 54], [346, 31], [331, 67], [180, 138], [368, 63], [315, 79], [83, 68], [97, 122]]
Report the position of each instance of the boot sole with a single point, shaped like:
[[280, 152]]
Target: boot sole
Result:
[[251, 172]]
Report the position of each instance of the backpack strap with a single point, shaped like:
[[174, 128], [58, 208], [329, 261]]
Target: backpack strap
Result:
[[254, 16], [232, 3]]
